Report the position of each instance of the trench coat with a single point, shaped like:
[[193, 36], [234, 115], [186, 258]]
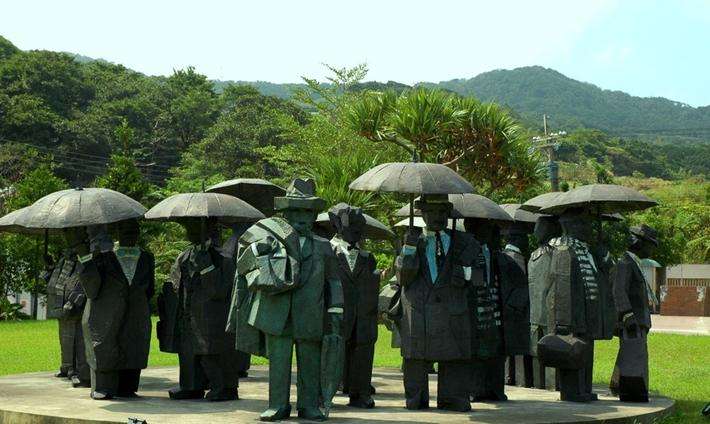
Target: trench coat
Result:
[[116, 321], [200, 298], [515, 303], [436, 318], [63, 286]]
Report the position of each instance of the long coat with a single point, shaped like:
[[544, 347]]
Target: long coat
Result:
[[630, 291], [436, 323], [200, 299], [360, 292], [573, 298], [63, 286], [116, 320], [515, 302], [539, 285], [319, 288]]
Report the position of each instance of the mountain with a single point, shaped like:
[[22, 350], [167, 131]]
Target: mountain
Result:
[[533, 91]]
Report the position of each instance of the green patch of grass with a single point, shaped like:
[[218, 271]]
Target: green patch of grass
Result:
[[679, 364]]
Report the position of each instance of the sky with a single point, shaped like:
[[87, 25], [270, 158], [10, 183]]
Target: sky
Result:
[[645, 48]]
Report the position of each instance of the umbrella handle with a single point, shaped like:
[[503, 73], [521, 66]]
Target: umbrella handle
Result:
[[411, 211], [203, 232]]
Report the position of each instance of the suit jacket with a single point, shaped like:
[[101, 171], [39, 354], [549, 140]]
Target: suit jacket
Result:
[[539, 285], [360, 292], [317, 287], [63, 286], [116, 322], [515, 302], [197, 300], [573, 301], [630, 291], [436, 323]]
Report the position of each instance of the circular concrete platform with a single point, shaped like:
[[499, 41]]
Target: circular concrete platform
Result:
[[40, 398]]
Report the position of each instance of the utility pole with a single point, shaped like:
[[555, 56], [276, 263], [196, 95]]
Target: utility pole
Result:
[[549, 143]]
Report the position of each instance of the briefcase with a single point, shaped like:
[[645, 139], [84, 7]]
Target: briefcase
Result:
[[562, 351]]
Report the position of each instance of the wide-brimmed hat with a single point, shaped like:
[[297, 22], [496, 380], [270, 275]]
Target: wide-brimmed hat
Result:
[[645, 232], [301, 194]]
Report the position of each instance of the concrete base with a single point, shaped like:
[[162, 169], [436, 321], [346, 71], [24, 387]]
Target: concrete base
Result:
[[40, 398]]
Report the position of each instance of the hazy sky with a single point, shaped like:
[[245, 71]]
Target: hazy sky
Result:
[[646, 48]]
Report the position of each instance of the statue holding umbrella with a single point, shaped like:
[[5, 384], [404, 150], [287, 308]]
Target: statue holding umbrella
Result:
[[260, 194], [116, 314], [576, 313], [435, 271]]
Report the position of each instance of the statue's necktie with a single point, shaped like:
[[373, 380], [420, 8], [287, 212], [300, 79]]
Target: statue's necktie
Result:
[[439, 252]]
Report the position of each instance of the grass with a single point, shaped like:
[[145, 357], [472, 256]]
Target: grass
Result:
[[680, 365]]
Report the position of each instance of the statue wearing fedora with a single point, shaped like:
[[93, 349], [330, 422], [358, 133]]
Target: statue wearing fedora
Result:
[[632, 297], [435, 270], [292, 287]]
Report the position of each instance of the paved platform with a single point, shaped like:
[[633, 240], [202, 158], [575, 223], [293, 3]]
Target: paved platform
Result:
[[698, 326], [40, 398]]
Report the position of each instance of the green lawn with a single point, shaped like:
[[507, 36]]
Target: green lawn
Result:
[[680, 365]]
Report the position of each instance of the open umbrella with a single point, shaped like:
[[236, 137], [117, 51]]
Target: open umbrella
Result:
[[536, 203], [80, 207], [412, 178], [255, 191], [600, 199], [8, 223], [223, 207], [374, 229], [520, 215], [469, 205]]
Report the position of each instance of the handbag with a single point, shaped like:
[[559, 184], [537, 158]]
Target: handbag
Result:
[[562, 351]]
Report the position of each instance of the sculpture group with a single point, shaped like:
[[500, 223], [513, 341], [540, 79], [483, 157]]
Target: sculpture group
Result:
[[466, 295]]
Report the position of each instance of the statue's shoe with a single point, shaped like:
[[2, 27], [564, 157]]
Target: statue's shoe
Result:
[[77, 382], [61, 374], [180, 394], [129, 395], [99, 395], [311, 414], [584, 397], [364, 402], [634, 398], [417, 404], [243, 374], [273, 414], [454, 406], [222, 395]]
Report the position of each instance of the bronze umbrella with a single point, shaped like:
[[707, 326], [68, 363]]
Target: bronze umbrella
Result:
[[600, 199], [374, 229], [79, 207], [469, 205], [223, 207], [412, 178], [255, 191], [8, 223], [536, 203]]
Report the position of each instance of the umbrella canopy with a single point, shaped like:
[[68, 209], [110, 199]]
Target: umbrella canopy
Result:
[[412, 178], [469, 205], [225, 208], [541, 201], [8, 223], [374, 229], [519, 215], [80, 207], [255, 191], [600, 199]]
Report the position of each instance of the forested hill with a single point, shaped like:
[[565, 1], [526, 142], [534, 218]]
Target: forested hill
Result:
[[534, 90]]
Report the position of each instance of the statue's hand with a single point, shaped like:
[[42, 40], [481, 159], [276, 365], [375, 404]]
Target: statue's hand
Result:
[[336, 320], [411, 237], [630, 323], [68, 307], [562, 330]]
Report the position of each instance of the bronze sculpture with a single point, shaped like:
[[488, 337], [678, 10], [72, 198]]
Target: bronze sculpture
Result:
[[360, 280], [546, 229], [488, 360], [575, 309], [512, 265], [119, 282], [435, 269], [65, 301], [293, 297], [193, 309], [632, 297]]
